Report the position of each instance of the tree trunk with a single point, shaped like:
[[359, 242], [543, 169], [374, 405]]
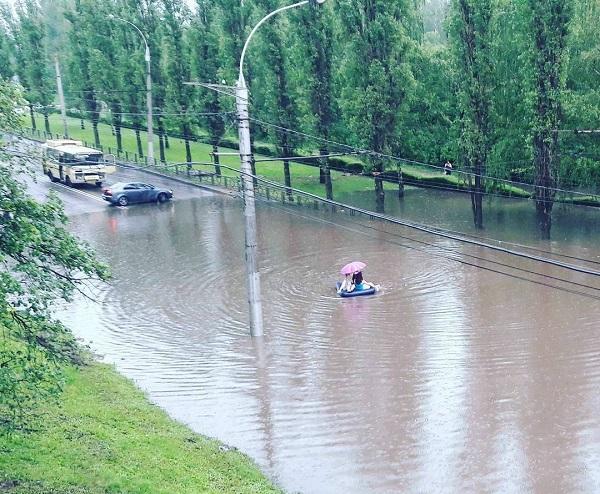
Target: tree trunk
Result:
[[379, 195], [216, 159], [253, 169], [139, 141], [186, 138], [116, 121], [477, 198], [81, 124], [96, 134], [288, 179], [379, 192], [161, 140], [47, 122], [119, 138], [167, 145], [325, 174], [544, 195], [400, 183], [32, 115]]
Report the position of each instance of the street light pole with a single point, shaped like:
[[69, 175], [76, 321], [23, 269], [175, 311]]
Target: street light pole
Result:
[[150, 133], [241, 99], [61, 98]]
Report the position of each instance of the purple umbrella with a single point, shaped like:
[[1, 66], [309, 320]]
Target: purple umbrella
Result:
[[353, 267]]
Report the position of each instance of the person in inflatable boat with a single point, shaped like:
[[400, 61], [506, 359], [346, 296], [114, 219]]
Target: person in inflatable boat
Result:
[[358, 283]]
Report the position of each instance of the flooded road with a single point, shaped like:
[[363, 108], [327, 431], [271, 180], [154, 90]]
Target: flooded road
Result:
[[453, 379]]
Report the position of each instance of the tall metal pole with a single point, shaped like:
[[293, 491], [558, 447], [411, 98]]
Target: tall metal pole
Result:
[[253, 275], [150, 133], [61, 98], [149, 106], [241, 99]]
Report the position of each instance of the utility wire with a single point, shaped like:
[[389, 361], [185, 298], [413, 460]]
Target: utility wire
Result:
[[455, 259], [414, 162], [415, 226], [427, 229]]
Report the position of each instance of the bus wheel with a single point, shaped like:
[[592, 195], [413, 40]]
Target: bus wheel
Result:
[[98, 184], [52, 177], [68, 181]]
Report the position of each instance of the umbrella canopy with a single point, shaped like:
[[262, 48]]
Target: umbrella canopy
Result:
[[352, 267]]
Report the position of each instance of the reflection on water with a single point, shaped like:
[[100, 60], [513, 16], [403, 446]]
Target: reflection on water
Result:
[[452, 379]]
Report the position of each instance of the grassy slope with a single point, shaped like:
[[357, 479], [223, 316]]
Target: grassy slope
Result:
[[106, 438], [304, 177]]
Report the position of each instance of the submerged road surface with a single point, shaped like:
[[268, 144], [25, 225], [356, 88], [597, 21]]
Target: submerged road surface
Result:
[[453, 379]]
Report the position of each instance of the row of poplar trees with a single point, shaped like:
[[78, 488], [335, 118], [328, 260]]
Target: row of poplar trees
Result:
[[494, 85]]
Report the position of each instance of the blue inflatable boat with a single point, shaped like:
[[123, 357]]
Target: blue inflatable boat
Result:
[[355, 293]]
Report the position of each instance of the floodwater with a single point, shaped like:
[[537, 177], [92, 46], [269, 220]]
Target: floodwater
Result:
[[455, 378]]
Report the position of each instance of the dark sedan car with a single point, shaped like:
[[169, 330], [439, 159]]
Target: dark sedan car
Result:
[[130, 192]]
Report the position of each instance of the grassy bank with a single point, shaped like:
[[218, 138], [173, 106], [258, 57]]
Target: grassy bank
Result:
[[304, 177], [105, 437]]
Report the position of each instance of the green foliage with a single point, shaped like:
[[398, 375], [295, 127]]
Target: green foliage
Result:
[[11, 100], [384, 75], [41, 264], [6, 48]]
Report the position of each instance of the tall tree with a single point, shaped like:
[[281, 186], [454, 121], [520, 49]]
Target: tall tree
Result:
[[33, 60], [107, 50], [176, 59], [580, 152], [549, 25], [82, 19], [473, 46], [205, 63], [275, 101], [315, 56], [6, 42], [376, 41]]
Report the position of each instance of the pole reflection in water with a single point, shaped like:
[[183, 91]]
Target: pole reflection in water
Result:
[[451, 379]]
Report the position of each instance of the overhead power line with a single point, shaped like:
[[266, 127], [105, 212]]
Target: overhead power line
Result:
[[458, 257], [423, 228], [414, 162]]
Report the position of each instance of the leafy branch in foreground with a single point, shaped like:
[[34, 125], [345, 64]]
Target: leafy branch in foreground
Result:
[[40, 263]]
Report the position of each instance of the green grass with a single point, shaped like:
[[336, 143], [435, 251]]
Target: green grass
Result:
[[105, 437], [304, 177]]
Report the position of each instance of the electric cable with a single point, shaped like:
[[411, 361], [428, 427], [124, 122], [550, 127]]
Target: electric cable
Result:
[[427, 229], [414, 162], [461, 261]]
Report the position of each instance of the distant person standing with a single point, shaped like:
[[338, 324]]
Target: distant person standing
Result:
[[447, 168]]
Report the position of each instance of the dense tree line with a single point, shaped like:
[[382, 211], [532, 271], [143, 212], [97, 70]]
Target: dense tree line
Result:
[[497, 86]]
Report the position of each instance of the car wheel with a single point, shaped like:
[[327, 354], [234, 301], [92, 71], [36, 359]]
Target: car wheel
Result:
[[98, 184], [162, 197], [123, 201]]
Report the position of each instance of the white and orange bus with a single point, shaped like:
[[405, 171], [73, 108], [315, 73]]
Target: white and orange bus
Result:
[[72, 163]]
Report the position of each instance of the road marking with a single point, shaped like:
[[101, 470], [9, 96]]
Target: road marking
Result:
[[77, 191]]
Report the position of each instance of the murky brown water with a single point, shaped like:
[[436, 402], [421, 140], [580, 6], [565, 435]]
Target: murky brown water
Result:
[[454, 379]]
